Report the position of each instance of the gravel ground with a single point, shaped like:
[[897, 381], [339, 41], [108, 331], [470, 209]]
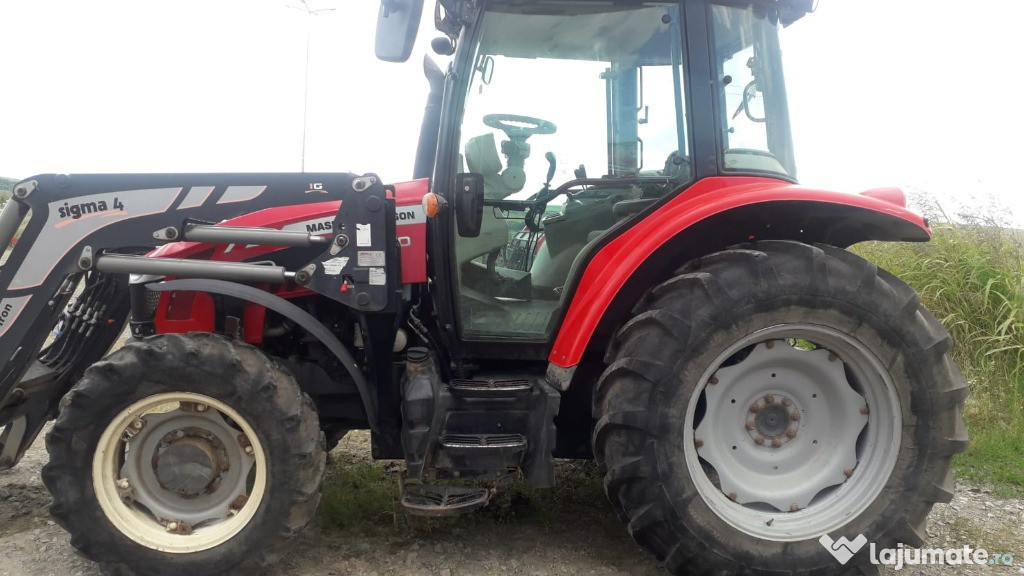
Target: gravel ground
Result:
[[581, 536]]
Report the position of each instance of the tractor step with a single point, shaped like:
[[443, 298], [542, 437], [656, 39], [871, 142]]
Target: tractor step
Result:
[[481, 427], [483, 442], [490, 388], [431, 500], [466, 452]]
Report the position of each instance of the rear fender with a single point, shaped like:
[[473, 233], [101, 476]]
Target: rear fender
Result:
[[713, 214]]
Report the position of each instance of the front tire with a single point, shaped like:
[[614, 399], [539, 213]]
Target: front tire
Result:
[[184, 455], [772, 394]]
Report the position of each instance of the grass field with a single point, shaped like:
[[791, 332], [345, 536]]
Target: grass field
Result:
[[970, 276]]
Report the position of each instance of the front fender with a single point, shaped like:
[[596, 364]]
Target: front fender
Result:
[[711, 215], [290, 311]]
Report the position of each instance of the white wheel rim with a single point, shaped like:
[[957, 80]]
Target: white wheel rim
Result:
[[793, 443], [135, 492]]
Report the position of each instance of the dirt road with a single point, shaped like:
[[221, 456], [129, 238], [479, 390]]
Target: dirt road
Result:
[[531, 533]]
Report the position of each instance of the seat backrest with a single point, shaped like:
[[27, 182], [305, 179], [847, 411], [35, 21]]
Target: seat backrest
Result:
[[482, 155], [482, 158]]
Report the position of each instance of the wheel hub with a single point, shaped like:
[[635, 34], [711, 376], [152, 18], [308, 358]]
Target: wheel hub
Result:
[[191, 463], [187, 466], [774, 420], [781, 426]]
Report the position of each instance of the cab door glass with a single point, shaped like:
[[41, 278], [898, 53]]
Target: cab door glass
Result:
[[751, 90], [574, 116]]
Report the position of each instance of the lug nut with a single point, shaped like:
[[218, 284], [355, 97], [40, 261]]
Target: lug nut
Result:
[[713, 380], [201, 407], [755, 408], [769, 399], [794, 507], [698, 443], [776, 442], [786, 402], [795, 416], [124, 484], [751, 425], [759, 440], [249, 450], [732, 496], [172, 526], [138, 424], [790, 433]]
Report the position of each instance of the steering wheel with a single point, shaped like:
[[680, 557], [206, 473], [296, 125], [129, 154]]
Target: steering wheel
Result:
[[517, 127]]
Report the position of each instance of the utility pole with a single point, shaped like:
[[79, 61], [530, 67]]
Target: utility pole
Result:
[[305, 95]]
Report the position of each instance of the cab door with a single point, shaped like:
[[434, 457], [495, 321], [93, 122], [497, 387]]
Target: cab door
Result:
[[575, 117]]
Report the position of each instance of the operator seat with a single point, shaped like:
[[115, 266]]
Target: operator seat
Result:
[[482, 158]]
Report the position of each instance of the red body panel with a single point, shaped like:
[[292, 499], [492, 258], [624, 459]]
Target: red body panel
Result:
[[196, 314], [612, 265], [184, 312], [411, 230]]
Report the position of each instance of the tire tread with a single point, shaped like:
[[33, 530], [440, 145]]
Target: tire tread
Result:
[[729, 280]]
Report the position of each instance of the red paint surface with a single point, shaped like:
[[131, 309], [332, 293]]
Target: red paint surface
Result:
[[414, 253], [187, 311], [181, 312], [407, 195], [612, 265]]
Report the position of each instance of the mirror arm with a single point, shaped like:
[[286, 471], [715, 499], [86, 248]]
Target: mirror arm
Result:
[[456, 16]]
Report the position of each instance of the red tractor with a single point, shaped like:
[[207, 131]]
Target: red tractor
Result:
[[651, 288]]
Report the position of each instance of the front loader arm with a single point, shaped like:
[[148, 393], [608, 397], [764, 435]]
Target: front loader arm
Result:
[[95, 228]]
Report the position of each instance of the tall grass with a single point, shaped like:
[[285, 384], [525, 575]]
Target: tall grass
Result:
[[970, 276]]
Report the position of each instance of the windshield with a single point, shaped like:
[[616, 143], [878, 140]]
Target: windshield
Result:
[[756, 133]]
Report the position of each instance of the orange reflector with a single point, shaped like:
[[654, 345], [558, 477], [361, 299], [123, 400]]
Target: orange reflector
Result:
[[431, 206]]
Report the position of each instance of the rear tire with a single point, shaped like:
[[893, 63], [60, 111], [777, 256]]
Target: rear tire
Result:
[[771, 394], [184, 455]]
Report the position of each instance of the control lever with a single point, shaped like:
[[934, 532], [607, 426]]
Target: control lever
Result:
[[541, 198], [550, 157]]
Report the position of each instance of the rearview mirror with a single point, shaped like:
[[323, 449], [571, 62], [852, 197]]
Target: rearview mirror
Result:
[[469, 204], [397, 24], [485, 66]]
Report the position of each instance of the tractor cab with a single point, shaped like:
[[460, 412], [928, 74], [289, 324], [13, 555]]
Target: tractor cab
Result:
[[579, 116]]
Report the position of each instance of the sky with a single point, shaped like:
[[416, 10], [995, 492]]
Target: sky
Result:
[[922, 94]]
